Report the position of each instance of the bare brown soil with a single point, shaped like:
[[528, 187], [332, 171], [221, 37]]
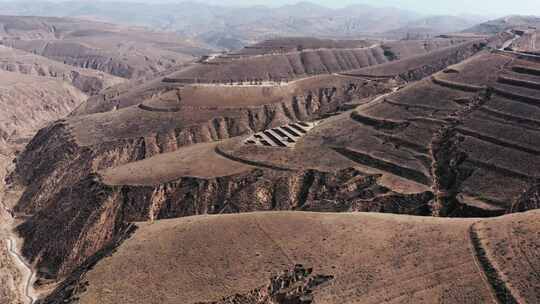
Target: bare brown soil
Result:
[[458, 142], [512, 247], [372, 258], [88, 81], [31, 101], [198, 160], [60, 163], [120, 51]]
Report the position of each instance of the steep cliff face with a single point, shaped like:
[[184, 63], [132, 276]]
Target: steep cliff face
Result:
[[418, 67], [90, 84], [90, 214], [28, 102], [88, 81], [115, 59], [456, 55]]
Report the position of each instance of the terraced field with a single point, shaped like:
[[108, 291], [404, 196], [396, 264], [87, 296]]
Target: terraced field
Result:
[[478, 122], [342, 126]]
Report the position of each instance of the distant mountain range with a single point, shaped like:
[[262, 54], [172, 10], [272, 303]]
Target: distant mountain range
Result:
[[432, 26], [233, 27], [503, 24]]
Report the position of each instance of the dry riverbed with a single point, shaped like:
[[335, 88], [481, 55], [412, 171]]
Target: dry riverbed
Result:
[[15, 275]]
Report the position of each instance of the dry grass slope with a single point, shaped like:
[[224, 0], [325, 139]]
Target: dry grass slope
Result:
[[373, 258]]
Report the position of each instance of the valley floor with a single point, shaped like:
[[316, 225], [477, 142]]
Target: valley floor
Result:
[[11, 274]]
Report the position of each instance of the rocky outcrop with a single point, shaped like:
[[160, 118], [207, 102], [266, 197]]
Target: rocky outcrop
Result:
[[529, 200], [294, 286]]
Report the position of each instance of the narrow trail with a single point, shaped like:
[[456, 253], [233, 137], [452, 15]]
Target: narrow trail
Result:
[[490, 275], [29, 273], [473, 247]]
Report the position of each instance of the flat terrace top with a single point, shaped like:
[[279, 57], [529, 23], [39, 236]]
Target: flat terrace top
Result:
[[198, 160], [277, 72], [478, 70], [137, 122], [190, 106], [238, 96], [296, 44], [294, 64]]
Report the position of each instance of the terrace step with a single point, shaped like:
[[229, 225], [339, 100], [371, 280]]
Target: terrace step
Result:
[[517, 97], [378, 123], [481, 206], [399, 142], [417, 105], [518, 120], [497, 141], [457, 86], [281, 137], [383, 165], [526, 70], [519, 82], [502, 171], [155, 109]]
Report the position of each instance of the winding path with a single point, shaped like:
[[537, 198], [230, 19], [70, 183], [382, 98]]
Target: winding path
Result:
[[29, 273]]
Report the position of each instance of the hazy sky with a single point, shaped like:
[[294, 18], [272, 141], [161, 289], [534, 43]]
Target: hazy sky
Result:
[[451, 7], [454, 7]]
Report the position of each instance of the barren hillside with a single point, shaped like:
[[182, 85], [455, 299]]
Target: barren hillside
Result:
[[35, 91], [28, 104], [345, 258], [127, 52], [30, 101], [188, 113], [440, 133], [86, 80]]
